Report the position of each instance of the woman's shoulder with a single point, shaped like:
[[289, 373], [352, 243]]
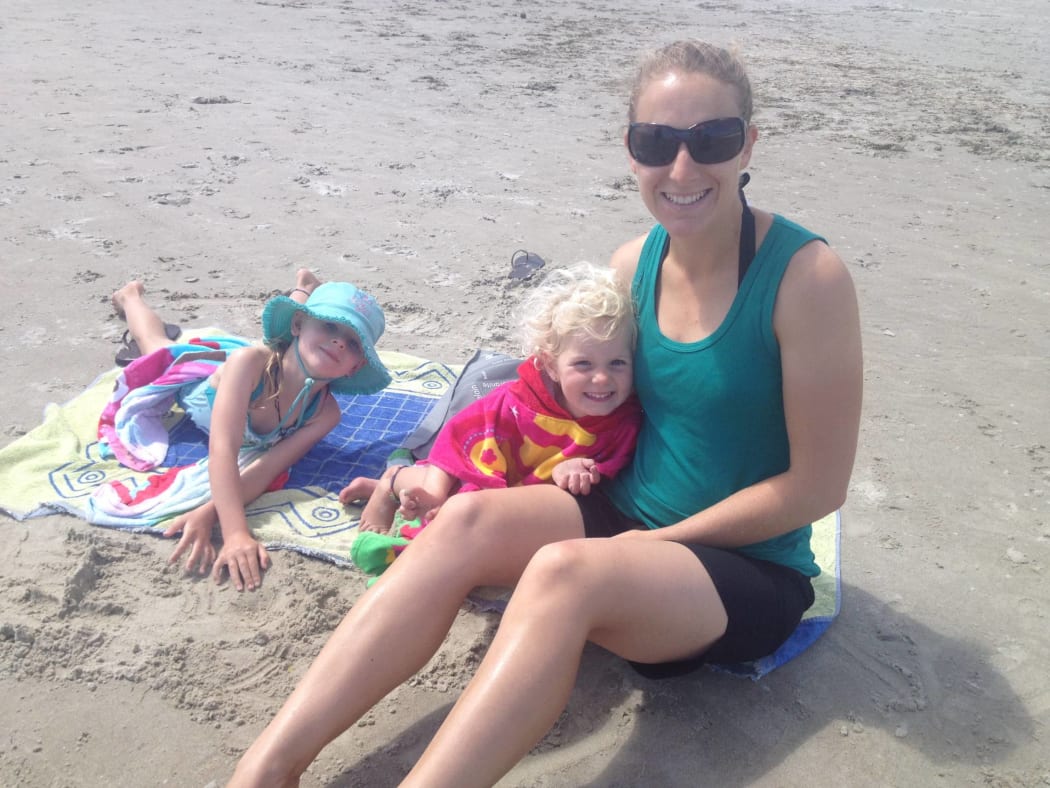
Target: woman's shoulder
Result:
[[783, 229], [815, 275], [625, 259], [809, 252]]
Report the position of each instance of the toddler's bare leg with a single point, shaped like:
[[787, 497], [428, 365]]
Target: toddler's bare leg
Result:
[[378, 514]]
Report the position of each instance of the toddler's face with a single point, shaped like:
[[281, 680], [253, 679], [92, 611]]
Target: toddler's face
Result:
[[594, 376]]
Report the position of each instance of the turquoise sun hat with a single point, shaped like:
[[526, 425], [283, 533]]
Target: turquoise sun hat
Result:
[[338, 302]]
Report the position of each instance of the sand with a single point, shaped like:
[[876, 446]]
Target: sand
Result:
[[211, 148]]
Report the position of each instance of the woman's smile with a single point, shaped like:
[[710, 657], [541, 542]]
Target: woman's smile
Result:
[[686, 199]]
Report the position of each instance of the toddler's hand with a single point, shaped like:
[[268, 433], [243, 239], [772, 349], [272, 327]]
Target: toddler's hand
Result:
[[576, 475]]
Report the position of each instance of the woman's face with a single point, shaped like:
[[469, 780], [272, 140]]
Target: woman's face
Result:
[[684, 196]]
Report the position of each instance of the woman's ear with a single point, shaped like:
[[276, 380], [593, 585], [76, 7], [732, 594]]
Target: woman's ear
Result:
[[749, 144], [297, 323], [630, 159]]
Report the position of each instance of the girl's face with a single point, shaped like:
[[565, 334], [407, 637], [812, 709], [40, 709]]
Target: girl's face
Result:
[[593, 376], [685, 196], [328, 349]]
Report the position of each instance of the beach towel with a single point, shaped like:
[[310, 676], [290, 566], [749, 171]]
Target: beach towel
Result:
[[827, 590], [55, 467], [132, 428]]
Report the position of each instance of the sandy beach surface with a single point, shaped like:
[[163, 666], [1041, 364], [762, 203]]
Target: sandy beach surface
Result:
[[211, 148]]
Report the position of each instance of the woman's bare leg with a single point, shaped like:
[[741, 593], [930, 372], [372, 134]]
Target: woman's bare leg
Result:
[[145, 325], [480, 538], [646, 600]]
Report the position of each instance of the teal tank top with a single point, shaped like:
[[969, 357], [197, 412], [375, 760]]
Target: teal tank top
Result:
[[714, 412]]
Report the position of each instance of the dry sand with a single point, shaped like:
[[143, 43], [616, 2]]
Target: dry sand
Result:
[[211, 148]]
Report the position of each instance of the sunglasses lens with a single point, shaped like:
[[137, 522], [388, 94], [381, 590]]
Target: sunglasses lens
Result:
[[717, 140], [652, 144], [711, 142]]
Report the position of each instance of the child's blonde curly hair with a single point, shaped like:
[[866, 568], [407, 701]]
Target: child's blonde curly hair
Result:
[[582, 299]]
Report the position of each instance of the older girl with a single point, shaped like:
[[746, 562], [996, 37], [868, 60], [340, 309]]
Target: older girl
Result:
[[263, 406]]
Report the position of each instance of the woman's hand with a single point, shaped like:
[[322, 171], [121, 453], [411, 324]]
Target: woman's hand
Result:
[[196, 527], [576, 475], [245, 559], [639, 533]]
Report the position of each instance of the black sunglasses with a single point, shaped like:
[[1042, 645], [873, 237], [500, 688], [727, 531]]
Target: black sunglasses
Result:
[[710, 142]]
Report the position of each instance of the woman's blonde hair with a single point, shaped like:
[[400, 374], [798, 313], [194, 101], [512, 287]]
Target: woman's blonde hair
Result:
[[694, 57], [582, 299]]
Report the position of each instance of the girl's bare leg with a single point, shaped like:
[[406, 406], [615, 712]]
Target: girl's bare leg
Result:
[[305, 279], [646, 600], [145, 325], [483, 538]]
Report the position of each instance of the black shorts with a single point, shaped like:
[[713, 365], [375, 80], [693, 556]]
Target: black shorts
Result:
[[764, 601]]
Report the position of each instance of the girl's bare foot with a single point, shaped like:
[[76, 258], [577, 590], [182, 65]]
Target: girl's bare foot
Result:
[[145, 328], [131, 291]]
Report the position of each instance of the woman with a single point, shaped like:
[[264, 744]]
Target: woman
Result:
[[749, 370]]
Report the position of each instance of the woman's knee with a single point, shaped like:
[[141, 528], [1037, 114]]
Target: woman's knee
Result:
[[499, 531], [561, 567]]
